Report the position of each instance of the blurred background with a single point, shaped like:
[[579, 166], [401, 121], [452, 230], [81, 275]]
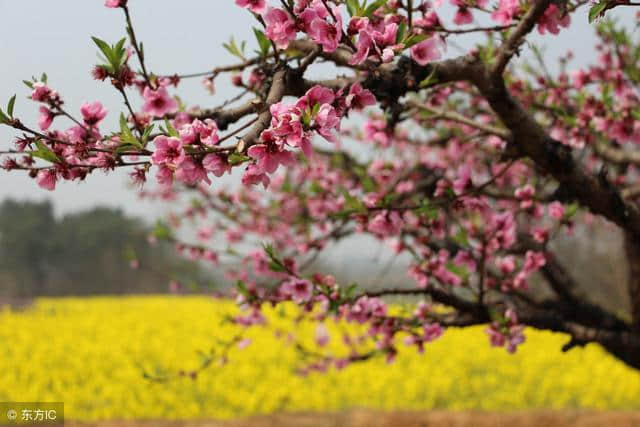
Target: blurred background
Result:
[[186, 37]]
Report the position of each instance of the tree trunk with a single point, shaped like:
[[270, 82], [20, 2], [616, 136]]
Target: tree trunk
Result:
[[632, 246]]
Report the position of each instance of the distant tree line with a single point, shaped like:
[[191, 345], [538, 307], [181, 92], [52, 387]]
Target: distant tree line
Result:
[[91, 252]]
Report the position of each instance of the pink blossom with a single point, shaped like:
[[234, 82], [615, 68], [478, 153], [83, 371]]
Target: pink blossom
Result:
[[281, 28], [507, 332], [386, 224], [255, 175], [46, 118], [46, 179], [553, 19], [244, 343], [175, 287], [115, 3], [506, 264], [41, 92], [533, 261], [463, 16], [191, 172], [322, 335], [216, 164], [540, 234], [158, 102], [556, 210], [363, 45], [255, 6], [326, 34], [253, 318], [376, 131], [198, 132], [507, 10], [365, 308], [525, 195], [168, 150], [93, 113], [299, 290], [164, 175], [359, 98], [427, 50], [327, 122], [432, 331], [317, 95], [270, 156], [463, 180]]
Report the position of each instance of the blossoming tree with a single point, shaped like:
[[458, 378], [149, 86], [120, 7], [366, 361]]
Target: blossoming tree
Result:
[[473, 164]]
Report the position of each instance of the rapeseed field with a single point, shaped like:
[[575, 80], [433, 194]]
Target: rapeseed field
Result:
[[92, 354]]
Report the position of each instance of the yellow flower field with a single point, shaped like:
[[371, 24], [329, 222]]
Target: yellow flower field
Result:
[[91, 353]]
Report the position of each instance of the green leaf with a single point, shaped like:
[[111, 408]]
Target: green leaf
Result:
[[402, 29], [232, 48], [104, 48], [276, 267], [597, 10], [353, 204], [241, 287], [427, 209], [44, 78], [275, 264], [12, 103], [461, 237], [430, 80], [3, 117], [353, 7], [570, 210], [269, 250], [28, 84], [170, 130], [414, 39], [237, 158], [119, 54], [162, 231], [263, 42], [348, 293], [126, 136], [459, 271], [373, 7], [147, 133], [45, 153]]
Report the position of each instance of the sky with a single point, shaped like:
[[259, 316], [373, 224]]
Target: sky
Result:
[[179, 36]]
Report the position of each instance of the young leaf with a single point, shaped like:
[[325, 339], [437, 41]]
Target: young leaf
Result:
[[147, 133], [237, 158], [12, 103], [3, 118], [126, 135], [402, 29], [597, 10], [353, 7], [263, 42], [233, 48], [161, 231], [104, 48], [429, 80], [414, 39], [373, 7], [45, 153], [170, 129]]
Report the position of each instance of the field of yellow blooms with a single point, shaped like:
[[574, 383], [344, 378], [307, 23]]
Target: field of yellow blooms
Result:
[[91, 354]]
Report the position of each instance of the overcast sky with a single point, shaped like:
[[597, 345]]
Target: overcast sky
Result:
[[179, 36]]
